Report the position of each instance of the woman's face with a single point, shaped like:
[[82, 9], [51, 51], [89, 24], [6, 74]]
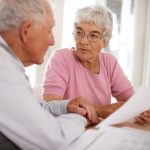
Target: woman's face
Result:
[[88, 41]]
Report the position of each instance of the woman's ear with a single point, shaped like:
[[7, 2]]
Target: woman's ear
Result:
[[105, 43], [24, 31]]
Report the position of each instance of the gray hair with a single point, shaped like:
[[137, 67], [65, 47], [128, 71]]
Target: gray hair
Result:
[[14, 12], [99, 15]]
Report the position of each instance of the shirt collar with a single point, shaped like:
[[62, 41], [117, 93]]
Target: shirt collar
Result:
[[3, 42]]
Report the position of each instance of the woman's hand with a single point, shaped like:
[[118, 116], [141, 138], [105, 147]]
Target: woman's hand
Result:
[[143, 117]]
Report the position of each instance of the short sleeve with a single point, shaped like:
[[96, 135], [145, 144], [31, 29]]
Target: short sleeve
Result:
[[121, 87], [56, 75]]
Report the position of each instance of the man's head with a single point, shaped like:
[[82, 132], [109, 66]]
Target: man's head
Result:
[[26, 26]]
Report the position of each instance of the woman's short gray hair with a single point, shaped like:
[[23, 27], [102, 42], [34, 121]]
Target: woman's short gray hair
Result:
[[99, 15], [14, 12]]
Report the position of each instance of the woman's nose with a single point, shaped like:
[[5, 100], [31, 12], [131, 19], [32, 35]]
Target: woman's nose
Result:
[[84, 39]]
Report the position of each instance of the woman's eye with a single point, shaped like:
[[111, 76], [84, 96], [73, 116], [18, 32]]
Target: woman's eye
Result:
[[78, 32], [94, 36]]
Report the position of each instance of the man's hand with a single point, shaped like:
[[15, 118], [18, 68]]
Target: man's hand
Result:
[[81, 106], [105, 110], [143, 117]]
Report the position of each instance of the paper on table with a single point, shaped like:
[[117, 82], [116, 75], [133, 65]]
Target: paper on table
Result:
[[122, 139], [138, 103], [88, 138]]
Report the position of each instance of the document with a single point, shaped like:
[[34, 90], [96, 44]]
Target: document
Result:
[[138, 103], [122, 139], [88, 138], [107, 137]]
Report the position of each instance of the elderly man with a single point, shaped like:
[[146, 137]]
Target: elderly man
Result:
[[25, 34]]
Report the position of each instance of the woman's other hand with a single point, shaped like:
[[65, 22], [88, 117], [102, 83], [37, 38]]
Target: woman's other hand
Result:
[[143, 118]]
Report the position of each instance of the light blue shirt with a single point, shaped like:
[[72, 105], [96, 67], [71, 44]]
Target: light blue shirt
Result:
[[23, 120]]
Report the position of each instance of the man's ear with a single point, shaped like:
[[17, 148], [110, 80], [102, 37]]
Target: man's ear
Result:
[[24, 31]]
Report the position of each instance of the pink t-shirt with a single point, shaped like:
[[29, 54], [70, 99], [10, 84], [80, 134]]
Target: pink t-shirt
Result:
[[66, 77]]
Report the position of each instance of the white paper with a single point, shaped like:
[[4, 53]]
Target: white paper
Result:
[[138, 103], [88, 138], [106, 137], [122, 139]]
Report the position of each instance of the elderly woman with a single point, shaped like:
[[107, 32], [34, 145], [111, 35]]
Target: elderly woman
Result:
[[85, 70]]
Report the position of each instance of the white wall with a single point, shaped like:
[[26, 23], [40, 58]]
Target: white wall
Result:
[[146, 63], [141, 58]]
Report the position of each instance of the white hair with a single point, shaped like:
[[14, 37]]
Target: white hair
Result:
[[99, 15], [14, 12]]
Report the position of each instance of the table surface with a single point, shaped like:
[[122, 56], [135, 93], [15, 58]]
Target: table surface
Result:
[[145, 127]]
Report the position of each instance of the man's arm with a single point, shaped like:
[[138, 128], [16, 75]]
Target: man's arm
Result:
[[77, 105], [56, 108], [30, 127], [23, 120]]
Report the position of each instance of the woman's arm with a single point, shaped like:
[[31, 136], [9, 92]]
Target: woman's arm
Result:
[[105, 110], [50, 97]]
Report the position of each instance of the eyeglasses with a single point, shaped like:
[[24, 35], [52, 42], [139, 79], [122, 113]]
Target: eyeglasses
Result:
[[91, 36]]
